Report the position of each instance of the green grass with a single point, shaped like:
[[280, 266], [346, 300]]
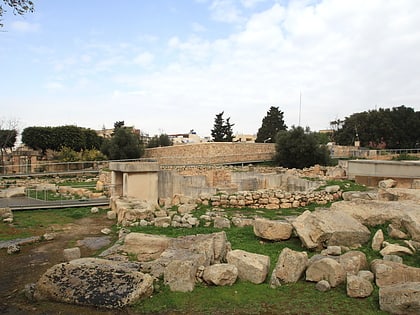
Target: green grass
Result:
[[247, 298], [28, 223], [345, 185]]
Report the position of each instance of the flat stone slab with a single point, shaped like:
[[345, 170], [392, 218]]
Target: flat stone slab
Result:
[[94, 282]]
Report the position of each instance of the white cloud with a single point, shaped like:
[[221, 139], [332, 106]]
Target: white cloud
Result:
[[144, 59], [226, 11], [24, 27]]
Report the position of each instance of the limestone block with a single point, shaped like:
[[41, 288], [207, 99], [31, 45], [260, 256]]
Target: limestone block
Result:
[[290, 266], [186, 208], [395, 249], [387, 183], [353, 262], [220, 274], [221, 223], [329, 227], [145, 246], [395, 232], [323, 286], [358, 287], [377, 240], [366, 274], [389, 273], [163, 221], [94, 282], [326, 269], [180, 275], [94, 210], [402, 298], [71, 253], [251, 267], [332, 189], [272, 230], [111, 215], [332, 250], [241, 222]]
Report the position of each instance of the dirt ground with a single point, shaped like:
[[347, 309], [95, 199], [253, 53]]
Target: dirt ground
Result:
[[25, 267]]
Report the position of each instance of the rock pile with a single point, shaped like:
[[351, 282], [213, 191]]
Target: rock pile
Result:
[[136, 212]]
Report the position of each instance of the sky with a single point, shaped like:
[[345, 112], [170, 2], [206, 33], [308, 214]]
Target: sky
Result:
[[169, 66]]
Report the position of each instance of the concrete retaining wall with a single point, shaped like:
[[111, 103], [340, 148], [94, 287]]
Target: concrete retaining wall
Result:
[[370, 172]]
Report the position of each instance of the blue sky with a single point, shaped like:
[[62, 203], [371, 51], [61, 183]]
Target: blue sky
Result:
[[169, 66]]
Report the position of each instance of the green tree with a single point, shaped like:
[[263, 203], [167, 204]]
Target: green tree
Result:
[[162, 140], [222, 130], [124, 144], [19, 7], [296, 148], [7, 141], [55, 138], [395, 128], [272, 123], [38, 138]]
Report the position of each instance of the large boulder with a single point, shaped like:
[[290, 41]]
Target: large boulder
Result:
[[326, 269], [324, 227], [389, 273], [145, 246], [220, 274], [94, 282], [290, 266], [272, 230], [353, 261], [402, 298], [376, 212], [202, 249], [358, 287], [179, 275], [251, 267]]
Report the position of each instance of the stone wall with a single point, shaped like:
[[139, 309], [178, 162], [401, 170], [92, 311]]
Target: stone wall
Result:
[[193, 181], [212, 153]]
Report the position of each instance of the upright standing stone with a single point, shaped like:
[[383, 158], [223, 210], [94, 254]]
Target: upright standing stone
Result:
[[251, 267]]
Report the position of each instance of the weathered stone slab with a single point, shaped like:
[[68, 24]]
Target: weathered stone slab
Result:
[[402, 298], [145, 246], [315, 229], [272, 230], [389, 273], [94, 282]]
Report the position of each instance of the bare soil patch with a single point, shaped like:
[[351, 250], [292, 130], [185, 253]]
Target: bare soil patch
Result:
[[18, 270]]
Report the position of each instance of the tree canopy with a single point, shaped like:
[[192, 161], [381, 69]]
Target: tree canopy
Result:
[[19, 7], [56, 138], [161, 140], [222, 130], [124, 144], [396, 128], [272, 123], [297, 148]]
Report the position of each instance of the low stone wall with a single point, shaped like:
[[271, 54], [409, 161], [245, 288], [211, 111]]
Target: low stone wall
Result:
[[212, 153], [272, 199]]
